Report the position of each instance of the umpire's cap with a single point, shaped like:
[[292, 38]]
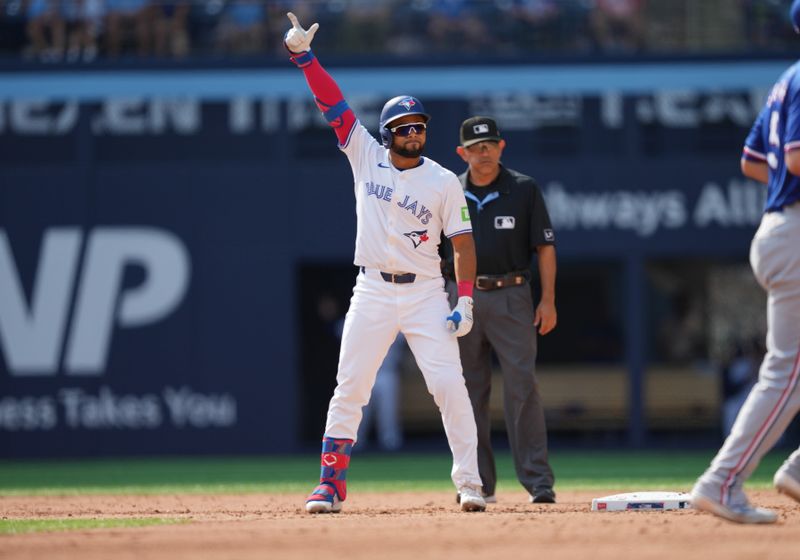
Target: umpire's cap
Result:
[[397, 107], [479, 129], [794, 12]]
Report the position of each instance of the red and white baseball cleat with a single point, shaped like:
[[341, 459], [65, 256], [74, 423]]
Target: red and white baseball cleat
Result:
[[324, 499]]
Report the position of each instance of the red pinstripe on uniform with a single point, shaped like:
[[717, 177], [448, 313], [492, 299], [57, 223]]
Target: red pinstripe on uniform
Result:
[[724, 494]]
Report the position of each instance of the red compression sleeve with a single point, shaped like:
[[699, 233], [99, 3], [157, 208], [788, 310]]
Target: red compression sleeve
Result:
[[327, 95], [465, 288]]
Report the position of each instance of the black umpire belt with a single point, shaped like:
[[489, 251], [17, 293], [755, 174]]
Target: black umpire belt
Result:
[[497, 281], [406, 278]]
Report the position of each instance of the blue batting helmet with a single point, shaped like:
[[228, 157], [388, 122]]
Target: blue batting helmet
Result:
[[395, 108], [794, 12]]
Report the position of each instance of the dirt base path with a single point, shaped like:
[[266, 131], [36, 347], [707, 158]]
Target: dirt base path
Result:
[[407, 526]]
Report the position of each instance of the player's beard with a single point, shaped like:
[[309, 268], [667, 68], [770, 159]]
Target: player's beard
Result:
[[406, 152]]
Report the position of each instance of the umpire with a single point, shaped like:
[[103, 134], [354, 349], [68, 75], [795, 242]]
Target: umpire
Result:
[[509, 223]]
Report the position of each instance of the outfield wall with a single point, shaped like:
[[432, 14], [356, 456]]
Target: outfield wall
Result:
[[154, 226]]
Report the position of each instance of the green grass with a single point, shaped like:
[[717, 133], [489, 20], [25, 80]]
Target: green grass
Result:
[[574, 470], [19, 526]]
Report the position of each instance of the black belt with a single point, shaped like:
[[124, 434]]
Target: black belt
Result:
[[496, 281], [406, 278]]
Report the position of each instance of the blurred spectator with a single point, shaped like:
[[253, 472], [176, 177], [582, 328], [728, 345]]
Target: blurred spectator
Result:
[[46, 30], [618, 25], [171, 31], [766, 23], [320, 354], [83, 19], [685, 314], [242, 29], [12, 26], [365, 25], [124, 17], [738, 377], [383, 409], [537, 23], [456, 25], [49, 29], [409, 28]]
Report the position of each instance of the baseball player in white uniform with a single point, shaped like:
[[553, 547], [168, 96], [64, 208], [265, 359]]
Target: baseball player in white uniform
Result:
[[403, 203]]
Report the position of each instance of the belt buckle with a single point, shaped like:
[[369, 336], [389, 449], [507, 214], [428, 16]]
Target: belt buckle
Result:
[[488, 283], [395, 276]]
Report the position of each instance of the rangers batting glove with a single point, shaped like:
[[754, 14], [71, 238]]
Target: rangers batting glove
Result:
[[459, 322], [297, 39]]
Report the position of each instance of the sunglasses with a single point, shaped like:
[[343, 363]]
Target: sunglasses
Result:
[[405, 129]]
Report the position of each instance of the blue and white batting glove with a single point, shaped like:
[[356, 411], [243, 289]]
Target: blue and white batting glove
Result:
[[297, 39], [459, 322]]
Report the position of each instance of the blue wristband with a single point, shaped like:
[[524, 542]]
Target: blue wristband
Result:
[[335, 111], [303, 59]]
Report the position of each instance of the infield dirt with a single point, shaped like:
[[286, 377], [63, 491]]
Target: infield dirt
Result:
[[411, 526]]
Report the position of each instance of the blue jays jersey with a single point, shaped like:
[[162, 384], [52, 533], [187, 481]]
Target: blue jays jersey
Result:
[[776, 132], [401, 215]]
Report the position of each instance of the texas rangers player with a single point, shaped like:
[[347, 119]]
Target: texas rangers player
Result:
[[403, 203], [772, 156]]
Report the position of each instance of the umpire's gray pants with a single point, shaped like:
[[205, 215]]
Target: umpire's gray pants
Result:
[[504, 322]]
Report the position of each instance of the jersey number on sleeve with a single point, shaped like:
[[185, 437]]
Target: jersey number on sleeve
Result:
[[774, 119], [774, 138]]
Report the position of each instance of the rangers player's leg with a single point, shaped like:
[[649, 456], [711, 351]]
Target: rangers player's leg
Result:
[[775, 399], [787, 478], [423, 307], [370, 327]]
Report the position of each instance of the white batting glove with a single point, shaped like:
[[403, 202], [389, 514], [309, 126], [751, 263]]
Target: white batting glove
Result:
[[459, 322], [297, 39]]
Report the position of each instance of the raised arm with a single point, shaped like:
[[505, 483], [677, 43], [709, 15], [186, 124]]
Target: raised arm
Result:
[[327, 94]]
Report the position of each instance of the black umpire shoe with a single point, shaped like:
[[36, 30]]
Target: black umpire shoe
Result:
[[544, 496]]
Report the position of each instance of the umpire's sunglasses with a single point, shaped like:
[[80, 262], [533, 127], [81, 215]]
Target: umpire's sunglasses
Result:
[[405, 129]]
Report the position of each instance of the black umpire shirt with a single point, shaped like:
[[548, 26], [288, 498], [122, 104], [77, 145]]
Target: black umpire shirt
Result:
[[509, 220]]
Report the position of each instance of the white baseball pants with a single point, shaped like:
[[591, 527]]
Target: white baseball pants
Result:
[[378, 310]]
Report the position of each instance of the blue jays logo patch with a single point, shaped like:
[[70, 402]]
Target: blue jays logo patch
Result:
[[417, 237], [407, 102]]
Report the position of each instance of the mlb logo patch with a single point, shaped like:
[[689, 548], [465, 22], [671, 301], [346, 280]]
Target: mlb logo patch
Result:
[[482, 128], [504, 222], [549, 235]]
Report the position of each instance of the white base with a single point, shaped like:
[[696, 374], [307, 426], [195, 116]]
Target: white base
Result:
[[643, 501]]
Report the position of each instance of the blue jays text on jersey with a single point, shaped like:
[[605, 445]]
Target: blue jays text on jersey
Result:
[[424, 215], [379, 191], [382, 192]]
